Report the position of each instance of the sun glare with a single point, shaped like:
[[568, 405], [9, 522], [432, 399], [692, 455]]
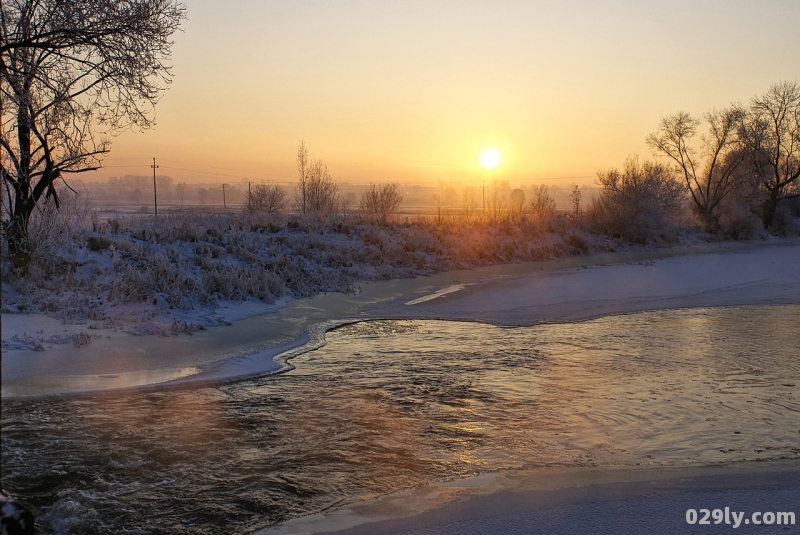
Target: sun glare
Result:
[[490, 158]]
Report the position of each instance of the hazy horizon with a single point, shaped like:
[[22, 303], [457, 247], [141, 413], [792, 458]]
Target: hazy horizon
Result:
[[412, 92]]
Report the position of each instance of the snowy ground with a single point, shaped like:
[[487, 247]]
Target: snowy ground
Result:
[[555, 501], [568, 289]]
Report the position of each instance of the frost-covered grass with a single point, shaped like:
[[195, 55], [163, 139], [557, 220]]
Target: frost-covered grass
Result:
[[142, 268]]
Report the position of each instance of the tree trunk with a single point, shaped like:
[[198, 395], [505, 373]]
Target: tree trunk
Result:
[[17, 238], [710, 219], [770, 207]]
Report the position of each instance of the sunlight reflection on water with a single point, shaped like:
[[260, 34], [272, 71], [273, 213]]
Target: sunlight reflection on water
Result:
[[393, 404]]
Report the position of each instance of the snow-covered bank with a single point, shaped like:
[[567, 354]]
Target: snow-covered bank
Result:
[[176, 273], [754, 276], [567, 500], [571, 288]]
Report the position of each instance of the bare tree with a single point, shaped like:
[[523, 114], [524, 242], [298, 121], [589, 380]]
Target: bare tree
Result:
[[710, 169], [317, 191], [380, 202], [269, 199], [301, 195], [542, 205], [322, 191], [771, 134], [496, 205], [73, 72], [516, 202]]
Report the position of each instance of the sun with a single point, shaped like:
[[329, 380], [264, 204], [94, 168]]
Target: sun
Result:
[[490, 158]]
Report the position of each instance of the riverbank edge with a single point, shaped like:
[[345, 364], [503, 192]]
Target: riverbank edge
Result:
[[298, 318], [515, 491]]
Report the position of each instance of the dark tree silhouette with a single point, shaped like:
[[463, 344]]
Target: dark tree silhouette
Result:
[[73, 73], [771, 136]]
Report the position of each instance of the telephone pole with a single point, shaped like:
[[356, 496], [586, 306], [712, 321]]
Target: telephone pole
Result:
[[223, 196], [155, 192]]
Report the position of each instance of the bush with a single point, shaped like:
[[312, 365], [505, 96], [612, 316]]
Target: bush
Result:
[[639, 203], [268, 199], [784, 222], [379, 202]]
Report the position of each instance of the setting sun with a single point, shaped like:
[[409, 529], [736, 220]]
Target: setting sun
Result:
[[490, 158]]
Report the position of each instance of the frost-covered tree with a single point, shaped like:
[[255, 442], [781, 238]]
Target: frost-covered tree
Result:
[[72, 73], [317, 192], [322, 191]]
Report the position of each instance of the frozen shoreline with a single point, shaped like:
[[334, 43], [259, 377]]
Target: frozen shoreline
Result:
[[569, 289], [566, 500]]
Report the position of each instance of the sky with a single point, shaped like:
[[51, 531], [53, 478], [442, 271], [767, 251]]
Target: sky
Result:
[[412, 91]]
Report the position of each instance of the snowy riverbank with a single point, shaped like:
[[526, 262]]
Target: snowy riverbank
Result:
[[568, 289], [578, 501]]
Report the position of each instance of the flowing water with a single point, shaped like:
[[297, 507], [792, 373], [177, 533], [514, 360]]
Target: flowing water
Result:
[[386, 405]]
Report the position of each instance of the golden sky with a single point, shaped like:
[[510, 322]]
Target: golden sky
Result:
[[412, 91]]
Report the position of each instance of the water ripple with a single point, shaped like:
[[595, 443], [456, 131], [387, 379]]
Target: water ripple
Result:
[[394, 404]]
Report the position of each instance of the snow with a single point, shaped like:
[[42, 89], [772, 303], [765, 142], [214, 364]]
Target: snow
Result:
[[436, 294], [764, 276], [567, 289], [563, 500]]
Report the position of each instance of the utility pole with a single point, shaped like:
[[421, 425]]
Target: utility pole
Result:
[[155, 193], [223, 195], [249, 202]]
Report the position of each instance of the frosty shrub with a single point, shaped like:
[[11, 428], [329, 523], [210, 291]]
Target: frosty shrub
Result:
[[379, 202], [638, 203]]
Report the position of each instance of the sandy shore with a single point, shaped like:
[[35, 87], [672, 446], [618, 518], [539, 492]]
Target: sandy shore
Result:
[[569, 289]]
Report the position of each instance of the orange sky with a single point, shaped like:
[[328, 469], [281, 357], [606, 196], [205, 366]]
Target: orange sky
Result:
[[412, 91]]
